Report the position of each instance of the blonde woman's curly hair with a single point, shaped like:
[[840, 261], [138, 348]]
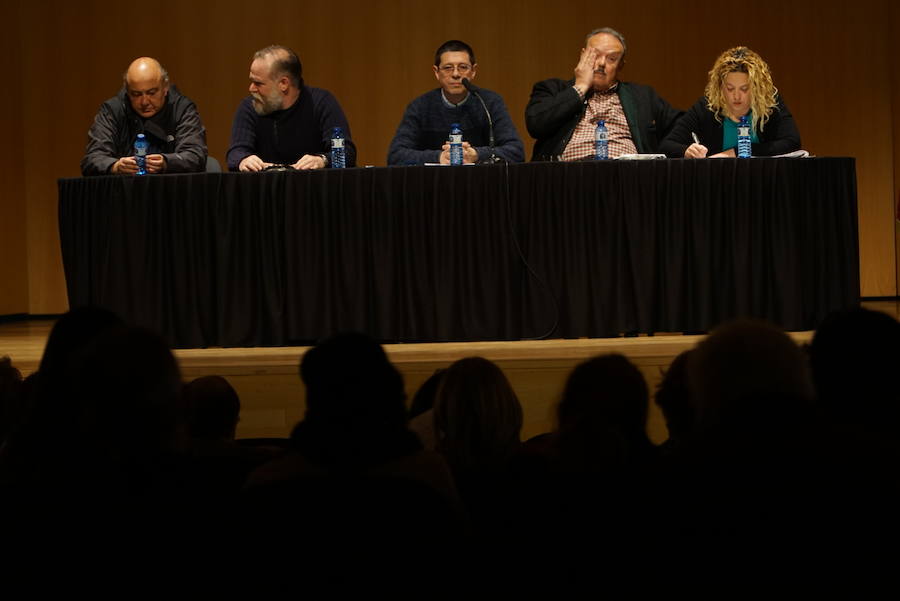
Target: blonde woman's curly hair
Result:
[[762, 90]]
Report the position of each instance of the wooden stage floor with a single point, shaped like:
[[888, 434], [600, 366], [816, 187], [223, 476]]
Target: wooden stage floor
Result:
[[272, 395]]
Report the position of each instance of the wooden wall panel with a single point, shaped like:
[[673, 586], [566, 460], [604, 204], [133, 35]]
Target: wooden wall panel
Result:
[[13, 239], [895, 118], [830, 63]]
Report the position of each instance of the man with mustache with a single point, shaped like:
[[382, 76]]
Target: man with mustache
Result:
[[284, 121], [147, 105], [562, 115]]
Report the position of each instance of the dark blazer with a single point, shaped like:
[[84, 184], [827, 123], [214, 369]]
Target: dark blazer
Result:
[[779, 136], [176, 132], [555, 108]]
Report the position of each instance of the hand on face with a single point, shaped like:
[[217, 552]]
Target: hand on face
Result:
[[584, 70], [600, 62]]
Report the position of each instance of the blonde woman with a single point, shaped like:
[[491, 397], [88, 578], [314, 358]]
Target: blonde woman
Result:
[[739, 84]]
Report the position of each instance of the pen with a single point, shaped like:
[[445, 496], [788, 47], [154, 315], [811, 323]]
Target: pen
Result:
[[696, 139]]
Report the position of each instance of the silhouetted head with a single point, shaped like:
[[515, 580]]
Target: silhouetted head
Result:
[[607, 390], [854, 355], [355, 405], [127, 384], [349, 380], [477, 416], [71, 333], [50, 408], [211, 408], [603, 412], [748, 373]]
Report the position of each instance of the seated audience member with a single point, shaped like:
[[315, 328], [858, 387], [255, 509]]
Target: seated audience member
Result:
[[746, 373], [211, 414], [423, 133], [761, 466], [284, 121], [603, 418], [149, 105], [853, 355], [126, 386], [601, 430], [477, 424], [562, 115], [739, 85], [35, 448], [595, 474], [353, 462]]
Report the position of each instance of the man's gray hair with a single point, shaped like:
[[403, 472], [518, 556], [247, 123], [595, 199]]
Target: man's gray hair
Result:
[[284, 62], [613, 33]]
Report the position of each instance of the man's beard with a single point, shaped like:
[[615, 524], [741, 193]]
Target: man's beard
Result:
[[263, 105]]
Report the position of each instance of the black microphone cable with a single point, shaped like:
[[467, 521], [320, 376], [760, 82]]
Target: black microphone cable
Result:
[[543, 285]]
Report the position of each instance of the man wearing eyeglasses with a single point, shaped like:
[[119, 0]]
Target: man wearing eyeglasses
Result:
[[422, 134], [562, 115]]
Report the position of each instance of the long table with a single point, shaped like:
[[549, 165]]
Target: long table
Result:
[[499, 252]]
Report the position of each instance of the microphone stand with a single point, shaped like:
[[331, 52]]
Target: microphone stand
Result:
[[493, 159]]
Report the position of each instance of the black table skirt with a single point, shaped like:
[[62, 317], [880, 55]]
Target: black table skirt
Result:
[[472, 253]]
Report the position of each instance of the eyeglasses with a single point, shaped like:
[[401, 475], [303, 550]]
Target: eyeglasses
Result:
[[463, 68]]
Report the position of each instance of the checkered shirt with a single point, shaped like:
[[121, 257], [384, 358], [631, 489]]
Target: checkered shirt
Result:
[[607, 106]]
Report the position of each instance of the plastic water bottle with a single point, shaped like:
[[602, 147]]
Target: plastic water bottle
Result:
[[744, 138], [338, 158], [601, 141], [140, 154], [456, 151]]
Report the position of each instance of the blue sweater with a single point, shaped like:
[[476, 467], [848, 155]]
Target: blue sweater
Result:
[[426, 126]]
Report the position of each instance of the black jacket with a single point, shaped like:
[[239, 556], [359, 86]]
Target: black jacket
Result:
[[555, 108], [779, 136], [175, 132]]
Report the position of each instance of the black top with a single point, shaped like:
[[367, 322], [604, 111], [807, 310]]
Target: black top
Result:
[[286, 135], [779, 136], [175, 132]]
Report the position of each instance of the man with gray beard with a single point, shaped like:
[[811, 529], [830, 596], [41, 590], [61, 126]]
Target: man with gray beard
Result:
[[284, 121]]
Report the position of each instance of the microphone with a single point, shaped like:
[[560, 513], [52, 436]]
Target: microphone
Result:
[[474, 90]]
